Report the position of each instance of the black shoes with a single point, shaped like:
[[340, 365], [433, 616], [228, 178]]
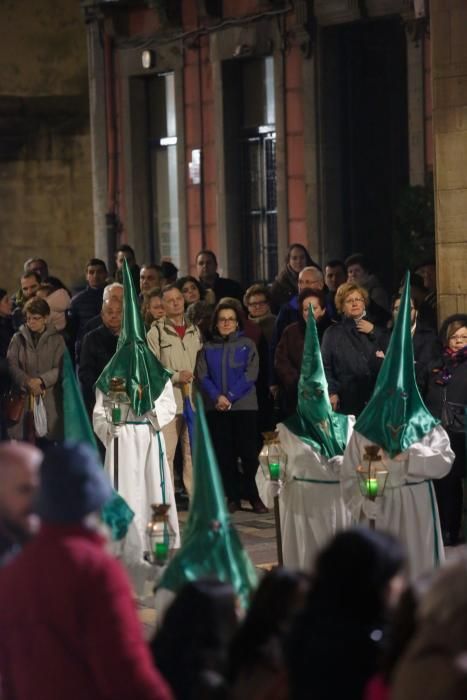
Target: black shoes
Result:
[[259, 507]]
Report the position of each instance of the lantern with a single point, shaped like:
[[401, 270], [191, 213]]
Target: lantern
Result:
[[273, 461], [117, 402], [372, 475], [160, 535], [272, 457]]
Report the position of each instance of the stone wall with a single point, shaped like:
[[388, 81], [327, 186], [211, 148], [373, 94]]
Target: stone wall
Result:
[[45, 161], [449, 85]]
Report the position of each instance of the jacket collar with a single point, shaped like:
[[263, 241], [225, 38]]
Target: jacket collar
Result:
[[26, 333]]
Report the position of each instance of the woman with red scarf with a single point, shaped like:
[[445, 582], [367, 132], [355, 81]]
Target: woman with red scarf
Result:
[[446, 397]]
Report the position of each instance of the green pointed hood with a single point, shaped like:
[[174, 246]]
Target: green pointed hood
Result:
[[144, 375], [116, 514], [314, 422], [396, 417], [210, 544]]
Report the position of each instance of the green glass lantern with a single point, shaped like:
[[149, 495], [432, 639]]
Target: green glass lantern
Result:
[[117, 403], [272, 457], [160, 535], [372, 475]]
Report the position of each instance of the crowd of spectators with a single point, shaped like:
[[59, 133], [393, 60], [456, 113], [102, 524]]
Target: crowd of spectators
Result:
[[241, 349]]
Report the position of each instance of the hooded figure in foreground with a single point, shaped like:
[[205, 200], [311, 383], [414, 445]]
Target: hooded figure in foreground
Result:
[[414, 448], [144, 476], [211, 547], [314, 439]]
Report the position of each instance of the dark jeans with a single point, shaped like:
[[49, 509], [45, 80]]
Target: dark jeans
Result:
[[234, 436], [449, 492]]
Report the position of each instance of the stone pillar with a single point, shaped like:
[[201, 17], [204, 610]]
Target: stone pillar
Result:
[[98, 139], [449, 82]]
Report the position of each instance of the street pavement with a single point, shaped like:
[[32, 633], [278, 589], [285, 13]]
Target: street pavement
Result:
[[257, 533]]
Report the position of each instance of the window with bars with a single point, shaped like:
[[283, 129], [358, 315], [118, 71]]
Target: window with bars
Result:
[[250, 162]]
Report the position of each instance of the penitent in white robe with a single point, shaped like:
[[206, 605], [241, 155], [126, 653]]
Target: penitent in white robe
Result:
[[143, 475], [310, 501], [408, 507]]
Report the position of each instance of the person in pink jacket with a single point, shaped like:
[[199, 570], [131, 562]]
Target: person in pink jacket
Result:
[[68, 625]]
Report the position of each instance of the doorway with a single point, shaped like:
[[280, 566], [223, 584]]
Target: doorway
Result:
[[364, 110]]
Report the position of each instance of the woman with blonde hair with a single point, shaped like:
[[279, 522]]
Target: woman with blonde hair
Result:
[[350, 351]]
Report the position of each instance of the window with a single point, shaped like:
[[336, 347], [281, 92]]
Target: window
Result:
[[163, 169]]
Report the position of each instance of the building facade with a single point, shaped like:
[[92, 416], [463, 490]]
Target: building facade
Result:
[[45, 149], [246, 125]]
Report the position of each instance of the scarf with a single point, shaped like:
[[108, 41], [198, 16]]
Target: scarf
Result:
[[451, 360]]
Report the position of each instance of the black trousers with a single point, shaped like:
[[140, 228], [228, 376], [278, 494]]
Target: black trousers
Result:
[[449, 491], [234, 437]]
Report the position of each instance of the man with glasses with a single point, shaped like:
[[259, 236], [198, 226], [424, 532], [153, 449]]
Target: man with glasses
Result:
[[309, 278]]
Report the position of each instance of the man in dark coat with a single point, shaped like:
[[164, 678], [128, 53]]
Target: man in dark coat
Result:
[[206, 265], [426, 344], [126, 252], [98, 348], [87, 303]]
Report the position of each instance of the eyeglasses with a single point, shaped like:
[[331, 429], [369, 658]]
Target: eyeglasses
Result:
[[463, 338], [230, 319], [257, 303], [354, 301]]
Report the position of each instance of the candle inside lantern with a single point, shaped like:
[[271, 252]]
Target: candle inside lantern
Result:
[[372, 487], [116, 414], [274, 471], [161, 551]]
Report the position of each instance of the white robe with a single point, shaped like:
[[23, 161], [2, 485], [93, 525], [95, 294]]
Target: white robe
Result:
[[310, 500], [143, 477], [408, 507]]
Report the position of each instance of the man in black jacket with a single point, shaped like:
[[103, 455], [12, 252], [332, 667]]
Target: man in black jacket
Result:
[[86, 304], [206, 265], [97, 348]]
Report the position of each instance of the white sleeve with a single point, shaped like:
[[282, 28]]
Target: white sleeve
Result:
[[165, 407], [432, 457], [99, 422], [350, 488]]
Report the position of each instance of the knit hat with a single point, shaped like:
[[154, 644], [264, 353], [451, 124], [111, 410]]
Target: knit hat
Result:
[[73, 484]]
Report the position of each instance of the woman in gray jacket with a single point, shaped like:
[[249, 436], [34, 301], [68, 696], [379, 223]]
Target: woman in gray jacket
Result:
[[35, 358]]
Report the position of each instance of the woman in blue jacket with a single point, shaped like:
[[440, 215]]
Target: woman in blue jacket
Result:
[[226, 372]]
